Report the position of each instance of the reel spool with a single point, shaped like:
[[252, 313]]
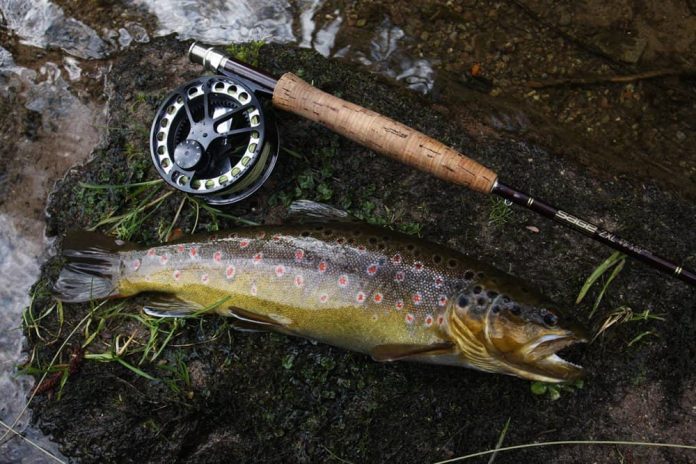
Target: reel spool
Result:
[[211, 138]]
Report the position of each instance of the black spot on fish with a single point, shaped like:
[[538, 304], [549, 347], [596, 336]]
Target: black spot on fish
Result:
[[319, 227], [382, 261], [458, 286], [452, 263], [477, 289], [496, 309], [468, 275], [506, 299], [550, 319], [481, 301], [381, 246], [304, 233], [491, 294], [386, 238], [516, 310], [410, 247], [357, 233], [462, 301], [480, 275], [328, 233], [437, 259], [372, 240]]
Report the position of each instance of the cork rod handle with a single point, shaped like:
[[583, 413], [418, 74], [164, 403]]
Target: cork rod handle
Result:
[[381, 134]]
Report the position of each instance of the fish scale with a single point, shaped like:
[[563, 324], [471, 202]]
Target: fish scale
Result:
[[344, 283], [386, 283]]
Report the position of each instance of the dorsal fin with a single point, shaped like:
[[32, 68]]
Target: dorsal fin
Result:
[[303, 211]]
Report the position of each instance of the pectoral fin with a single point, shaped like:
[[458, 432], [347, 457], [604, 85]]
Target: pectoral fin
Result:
[[397, 351]]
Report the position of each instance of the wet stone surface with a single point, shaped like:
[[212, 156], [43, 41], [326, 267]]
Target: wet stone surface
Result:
[[226, 396]]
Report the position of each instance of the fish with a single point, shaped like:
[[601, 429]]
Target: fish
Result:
[[342, 282]]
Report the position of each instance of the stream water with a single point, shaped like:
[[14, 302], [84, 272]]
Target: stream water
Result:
[[52, 94]]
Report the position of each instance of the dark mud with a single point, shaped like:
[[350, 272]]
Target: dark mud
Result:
[[271, 398]]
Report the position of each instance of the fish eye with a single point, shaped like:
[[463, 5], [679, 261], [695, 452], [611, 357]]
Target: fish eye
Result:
[[462, 301], [550, 319]]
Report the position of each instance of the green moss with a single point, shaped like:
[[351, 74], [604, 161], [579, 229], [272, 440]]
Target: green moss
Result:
[[247, 52]]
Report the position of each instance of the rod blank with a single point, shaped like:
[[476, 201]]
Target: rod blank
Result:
[[393, 139]]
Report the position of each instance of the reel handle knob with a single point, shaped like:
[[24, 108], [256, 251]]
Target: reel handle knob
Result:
[[381, 134]]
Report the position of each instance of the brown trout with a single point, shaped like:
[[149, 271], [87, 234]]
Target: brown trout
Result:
[[347, 284]]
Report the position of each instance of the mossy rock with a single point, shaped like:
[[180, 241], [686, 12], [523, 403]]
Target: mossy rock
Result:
[[225, 396]]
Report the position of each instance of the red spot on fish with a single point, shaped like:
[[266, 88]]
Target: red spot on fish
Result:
[[204, 278], [442, 301], [360, 297], [417, 298], [276, 238], [396, 259], [180, 248], [361, 248], [399, 305], [135, 264], [409, 318], [341, 240], [439, 281], [418, 266], [299, 255], [217, 256], [280, 270], [440, 320], [399, 276], [176, 274], [244, 243], [323, 297], [428, 320], [258, 257], [343, 281], [193, 252], [164, 259], [230, 271], [151, 252], [253, 290], [299, 281], [378, 297], [323, 266], [372, 269], [260, 235]]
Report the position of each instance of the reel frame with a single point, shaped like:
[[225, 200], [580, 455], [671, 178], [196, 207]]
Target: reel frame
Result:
[[212, 137]]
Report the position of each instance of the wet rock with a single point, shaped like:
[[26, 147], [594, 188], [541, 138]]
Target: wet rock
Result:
[[620, 45]]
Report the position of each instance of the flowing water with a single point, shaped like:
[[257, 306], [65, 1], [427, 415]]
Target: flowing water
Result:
[[60, 122]]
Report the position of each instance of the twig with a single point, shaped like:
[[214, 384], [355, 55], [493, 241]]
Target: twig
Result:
[[604, 79], [570, 442]]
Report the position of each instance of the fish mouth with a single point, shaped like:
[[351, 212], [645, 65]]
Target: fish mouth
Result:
[[542, 362]]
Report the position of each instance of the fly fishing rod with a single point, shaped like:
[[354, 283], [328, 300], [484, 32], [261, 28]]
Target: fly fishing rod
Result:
[[198, 157]]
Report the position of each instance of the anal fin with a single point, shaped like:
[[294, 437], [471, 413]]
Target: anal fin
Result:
[[165, 305], [252, 322], [397, 351]]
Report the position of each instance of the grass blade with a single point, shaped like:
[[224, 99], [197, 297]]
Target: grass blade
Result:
[[601, 269]]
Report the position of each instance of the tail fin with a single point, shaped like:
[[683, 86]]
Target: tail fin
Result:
[[91, 268]]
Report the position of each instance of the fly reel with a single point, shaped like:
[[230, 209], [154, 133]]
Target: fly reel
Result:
[[211, 138]]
